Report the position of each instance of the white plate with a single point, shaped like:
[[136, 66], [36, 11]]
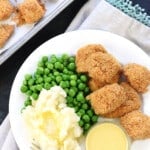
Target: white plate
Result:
[[124, 50]]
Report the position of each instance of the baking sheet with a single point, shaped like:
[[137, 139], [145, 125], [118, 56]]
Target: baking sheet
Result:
[[23, 33]]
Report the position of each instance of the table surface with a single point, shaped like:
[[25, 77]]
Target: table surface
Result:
[[58, 25]]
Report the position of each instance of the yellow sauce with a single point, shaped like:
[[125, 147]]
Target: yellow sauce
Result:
[[106, 136]]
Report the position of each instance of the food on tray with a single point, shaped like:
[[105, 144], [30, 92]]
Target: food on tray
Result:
[[136, 124], [138, 76], [103, 67], [6, 9], [133, 102], [107, 98], [51, 123], [106, 136], [5, 32], [84, 52], [31, 11]]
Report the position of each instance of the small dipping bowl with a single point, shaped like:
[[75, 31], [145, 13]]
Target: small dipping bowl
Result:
[[106, 136]]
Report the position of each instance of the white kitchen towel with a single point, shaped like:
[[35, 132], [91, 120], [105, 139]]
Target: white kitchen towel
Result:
[[96, 14]]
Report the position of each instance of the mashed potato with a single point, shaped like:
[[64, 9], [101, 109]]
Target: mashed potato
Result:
[[52, 124]]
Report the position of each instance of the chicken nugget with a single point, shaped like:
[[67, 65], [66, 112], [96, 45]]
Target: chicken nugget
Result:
[[5, 32], [136, 124], [103, 67], [31, 11], [107, 99], [84, 52], [138, 76], [6, 9], [133, 102]]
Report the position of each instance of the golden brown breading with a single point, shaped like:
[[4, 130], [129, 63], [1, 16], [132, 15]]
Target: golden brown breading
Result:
[[6, 9], [138, 76], [5, 32], [103, 67], [95, 85], [107, 99], [136, 124], [84, 52], [31, 10], [133, 102]]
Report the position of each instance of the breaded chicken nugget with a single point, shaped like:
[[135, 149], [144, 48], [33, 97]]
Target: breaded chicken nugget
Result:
[[133, 102], [136, 124], [84, 52], [31, 10], [107, 99], [6, 9], [103, 67], [5, 32], [138, 76]]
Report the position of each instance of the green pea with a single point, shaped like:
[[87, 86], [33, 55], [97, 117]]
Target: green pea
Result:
[[53, 83], [82, 111], [39, 87], [58, 79], [83, 78], [58, 66], [94, 119], [65, 57], [33, 88], [50, 66], [47, 79], [28, 76], [47, 86], [40, 64], [73, 83], [72, 66], [34, 96], [86, 118], [81, 123], [87, 90], [90, 113], [80, 96], [29, 92], [85, 106], [28, 102], [31, 81], [81, 86], [25, 82], [44, 58], [72, 93], [87, 126], [24, 88], [65, 77], [73, 77], [40, 80], [46, 71], [40, 70], [72, 59]]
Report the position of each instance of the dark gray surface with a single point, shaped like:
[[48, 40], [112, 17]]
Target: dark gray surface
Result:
[[9, 69]]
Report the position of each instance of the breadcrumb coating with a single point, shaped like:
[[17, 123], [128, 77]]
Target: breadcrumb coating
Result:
[[31, 11], [5, 32], [138, 76], [136, 124], [107, 99], [6, 9], [103, 67], [84, 52], [133, 102]]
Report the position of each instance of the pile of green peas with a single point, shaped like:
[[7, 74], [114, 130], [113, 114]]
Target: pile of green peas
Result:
[[61, 70]]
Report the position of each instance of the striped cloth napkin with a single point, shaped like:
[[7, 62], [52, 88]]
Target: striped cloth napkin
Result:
[[117, 16]]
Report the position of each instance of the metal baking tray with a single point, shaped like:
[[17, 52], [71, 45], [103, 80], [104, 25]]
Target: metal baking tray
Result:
[[25, 32]]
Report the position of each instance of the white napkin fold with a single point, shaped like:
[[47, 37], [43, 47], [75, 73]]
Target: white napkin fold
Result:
[[96, 14]]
